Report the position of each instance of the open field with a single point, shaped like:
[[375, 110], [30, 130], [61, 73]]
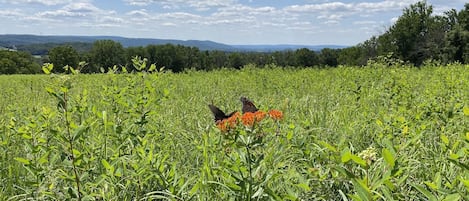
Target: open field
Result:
[[347, 133]]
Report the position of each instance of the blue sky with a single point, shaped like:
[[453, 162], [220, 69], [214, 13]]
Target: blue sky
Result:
[[307, 22]]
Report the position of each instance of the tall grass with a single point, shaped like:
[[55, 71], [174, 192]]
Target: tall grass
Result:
[[348, 133]]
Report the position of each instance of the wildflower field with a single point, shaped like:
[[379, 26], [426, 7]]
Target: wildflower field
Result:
[[349, 133]]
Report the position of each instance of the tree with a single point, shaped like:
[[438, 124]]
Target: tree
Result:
[[409, 37], [457, 39], [236, 60], [62, 56], [328, 57], [12, 62], [307, 58], [352, 56], [105, 54]]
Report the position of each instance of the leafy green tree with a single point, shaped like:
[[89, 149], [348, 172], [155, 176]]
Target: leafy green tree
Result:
[[410, 37], [352, 56], [328, 57], [218, 59], [62, 56], [106, 54], [236, 60], [457, 39], [12, 62], [306, 57]]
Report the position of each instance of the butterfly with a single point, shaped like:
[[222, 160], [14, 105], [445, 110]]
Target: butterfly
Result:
[[248, 106], [218, 114]]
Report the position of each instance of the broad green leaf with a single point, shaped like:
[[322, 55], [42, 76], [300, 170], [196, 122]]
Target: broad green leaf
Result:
[[328, 146], [108, 166], [44, 158], [289, 135], [22, 160], [379, 122], [425, 192], [358, 160], [452, 197], [304, 186], [47, 68], [431, 185], [454, 156], [152, 68], [76, 152], [388, 157], [405, 129], [465, 182], [362, 189], [445, 139], [466, 110], [346, 156]]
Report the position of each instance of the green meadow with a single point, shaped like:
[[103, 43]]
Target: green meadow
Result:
[[376, 132]]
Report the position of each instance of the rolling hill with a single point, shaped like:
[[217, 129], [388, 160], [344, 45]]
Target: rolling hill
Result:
[[13, 40]]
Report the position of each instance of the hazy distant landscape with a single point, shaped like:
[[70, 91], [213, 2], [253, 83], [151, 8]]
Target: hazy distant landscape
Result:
[[12, 40]]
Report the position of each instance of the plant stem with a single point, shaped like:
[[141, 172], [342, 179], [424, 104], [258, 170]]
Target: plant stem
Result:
[[70, 140], [250, 172]]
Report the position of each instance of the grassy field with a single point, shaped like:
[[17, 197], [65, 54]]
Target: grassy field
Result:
[[347, 133]]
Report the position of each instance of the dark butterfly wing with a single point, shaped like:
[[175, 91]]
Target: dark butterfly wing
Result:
[[248, 106], [218, 114]]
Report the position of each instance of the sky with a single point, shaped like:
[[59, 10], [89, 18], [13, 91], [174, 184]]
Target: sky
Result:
[[233, 22]]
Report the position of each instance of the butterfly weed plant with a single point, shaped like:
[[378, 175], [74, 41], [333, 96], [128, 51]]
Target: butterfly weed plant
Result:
[[249, 143]]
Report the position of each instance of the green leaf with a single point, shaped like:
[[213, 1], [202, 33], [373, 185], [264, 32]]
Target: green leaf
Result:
[[328, 146], [304, 186], [107, 165], [362, 189], [47, 68], [465, 182], [445, 139], [22, 160], [289, 135], [452, 197], [358, 160], [346, 157], [80, 131], [431, 185], [152, 68], [44, 158], [379, 122], [466, 110], [425, 192], [389, 158]]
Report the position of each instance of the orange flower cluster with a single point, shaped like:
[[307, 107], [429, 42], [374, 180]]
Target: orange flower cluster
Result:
[[248, 119], [276, 114], [228, 123]]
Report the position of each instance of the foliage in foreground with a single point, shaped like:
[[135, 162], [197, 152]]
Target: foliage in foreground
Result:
[[373, 133]]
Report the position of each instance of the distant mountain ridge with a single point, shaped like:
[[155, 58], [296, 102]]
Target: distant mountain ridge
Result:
[[12, 40]]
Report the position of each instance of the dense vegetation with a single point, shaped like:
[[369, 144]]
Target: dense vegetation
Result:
[[417, 36], [374, 133]]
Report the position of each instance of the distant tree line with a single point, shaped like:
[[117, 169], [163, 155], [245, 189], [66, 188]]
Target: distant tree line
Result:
[[416, 37]]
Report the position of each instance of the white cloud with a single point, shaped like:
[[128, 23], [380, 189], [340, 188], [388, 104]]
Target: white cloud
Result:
[[351, 7], [75, 10], [12, 14], [175, 4], [44, 2]]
